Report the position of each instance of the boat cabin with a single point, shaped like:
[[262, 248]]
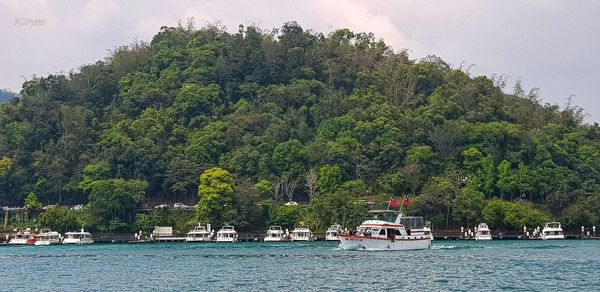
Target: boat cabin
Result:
[[78, 235]]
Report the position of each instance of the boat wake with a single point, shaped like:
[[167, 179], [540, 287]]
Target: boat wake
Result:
[[436, 247]]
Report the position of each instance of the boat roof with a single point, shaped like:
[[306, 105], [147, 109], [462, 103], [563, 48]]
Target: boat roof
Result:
[[275, 227], [301, 229], [552, 225], [227, 228], [379, 223]]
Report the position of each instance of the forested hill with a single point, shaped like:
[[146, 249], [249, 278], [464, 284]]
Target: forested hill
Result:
[[6, 95], [311, 115]]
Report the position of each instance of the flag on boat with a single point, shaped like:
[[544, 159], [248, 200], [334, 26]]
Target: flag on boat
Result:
[[393, 203], [405, 201]]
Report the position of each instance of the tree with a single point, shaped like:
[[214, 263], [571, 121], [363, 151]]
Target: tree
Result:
[[216, 197], [32, 203], [468, 204], [116, 198], [509, 215], [505, 179], [311, 181], [289, 159], [63, 219], [194, 99], [329, 178], [442, 192], [264, 188], [5, 165]]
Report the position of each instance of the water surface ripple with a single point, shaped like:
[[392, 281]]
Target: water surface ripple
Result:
[[450, 265]]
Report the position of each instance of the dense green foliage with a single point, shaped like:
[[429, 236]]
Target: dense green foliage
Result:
[[293, 115], [216, 197]]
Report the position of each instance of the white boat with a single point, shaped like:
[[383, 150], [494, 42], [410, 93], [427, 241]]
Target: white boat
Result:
[[552, 230], [483, 232], [199, 234], [22, 237], [332, 233], [78, 237], [227, 234], [302, 234], [381, 233], [275, 234], [47, 237]]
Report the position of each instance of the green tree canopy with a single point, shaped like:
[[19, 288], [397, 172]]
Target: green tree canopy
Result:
[[116, 198], [216, 197]]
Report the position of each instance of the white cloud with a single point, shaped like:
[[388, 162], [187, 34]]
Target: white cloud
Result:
[[358, 17]]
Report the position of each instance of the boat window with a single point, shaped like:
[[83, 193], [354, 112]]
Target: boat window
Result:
[[382, 232], [412, 222]]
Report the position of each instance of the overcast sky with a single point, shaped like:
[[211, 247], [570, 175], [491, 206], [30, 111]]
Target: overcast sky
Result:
[[550, 44]]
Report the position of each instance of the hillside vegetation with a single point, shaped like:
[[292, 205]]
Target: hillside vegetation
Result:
[[331, 121]]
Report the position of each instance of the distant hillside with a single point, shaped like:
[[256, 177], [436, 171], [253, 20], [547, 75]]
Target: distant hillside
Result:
[[326, 119], [6, 95]]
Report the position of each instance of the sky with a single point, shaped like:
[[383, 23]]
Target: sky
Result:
[[548, 44]]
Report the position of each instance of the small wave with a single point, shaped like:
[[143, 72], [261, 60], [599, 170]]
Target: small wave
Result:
[[435, 246], [545, 247]]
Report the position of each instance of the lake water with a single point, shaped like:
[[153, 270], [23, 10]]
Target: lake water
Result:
[[450, 265]]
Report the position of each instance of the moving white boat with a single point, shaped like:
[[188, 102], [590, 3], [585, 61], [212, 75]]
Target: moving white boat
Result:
[[552, 230], [381, 233], [332, 232], [275, 234], [22, 237], [227, 234], [483, 232], [302, 234], [78, 237], [48, 237], [199, 234]]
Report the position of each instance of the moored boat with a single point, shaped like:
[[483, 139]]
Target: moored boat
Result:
[[200, 233], [332, 232], [78, 237], [302, 233], [483, 232], [381, 233], [22, 237], [275, 234], [552, 230], [227, 234], [48, 237]]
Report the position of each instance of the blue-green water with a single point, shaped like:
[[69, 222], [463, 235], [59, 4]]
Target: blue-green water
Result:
[[451, 265]]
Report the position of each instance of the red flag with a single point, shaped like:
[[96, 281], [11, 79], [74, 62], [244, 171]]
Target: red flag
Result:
[[405, 202], [393, 203]]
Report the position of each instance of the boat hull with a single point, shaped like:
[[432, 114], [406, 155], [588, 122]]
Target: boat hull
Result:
[[227, 239], [198, 239], [21, 241], [552, 237], [483, 237], [350, 242], [332, 238], [46, 242], [303, 238], [274, 239], [77, 241]]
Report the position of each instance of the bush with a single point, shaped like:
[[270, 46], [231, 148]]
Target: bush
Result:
[[509, 215]]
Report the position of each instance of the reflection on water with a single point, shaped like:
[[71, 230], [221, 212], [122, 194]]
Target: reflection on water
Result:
[[461, 265]]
